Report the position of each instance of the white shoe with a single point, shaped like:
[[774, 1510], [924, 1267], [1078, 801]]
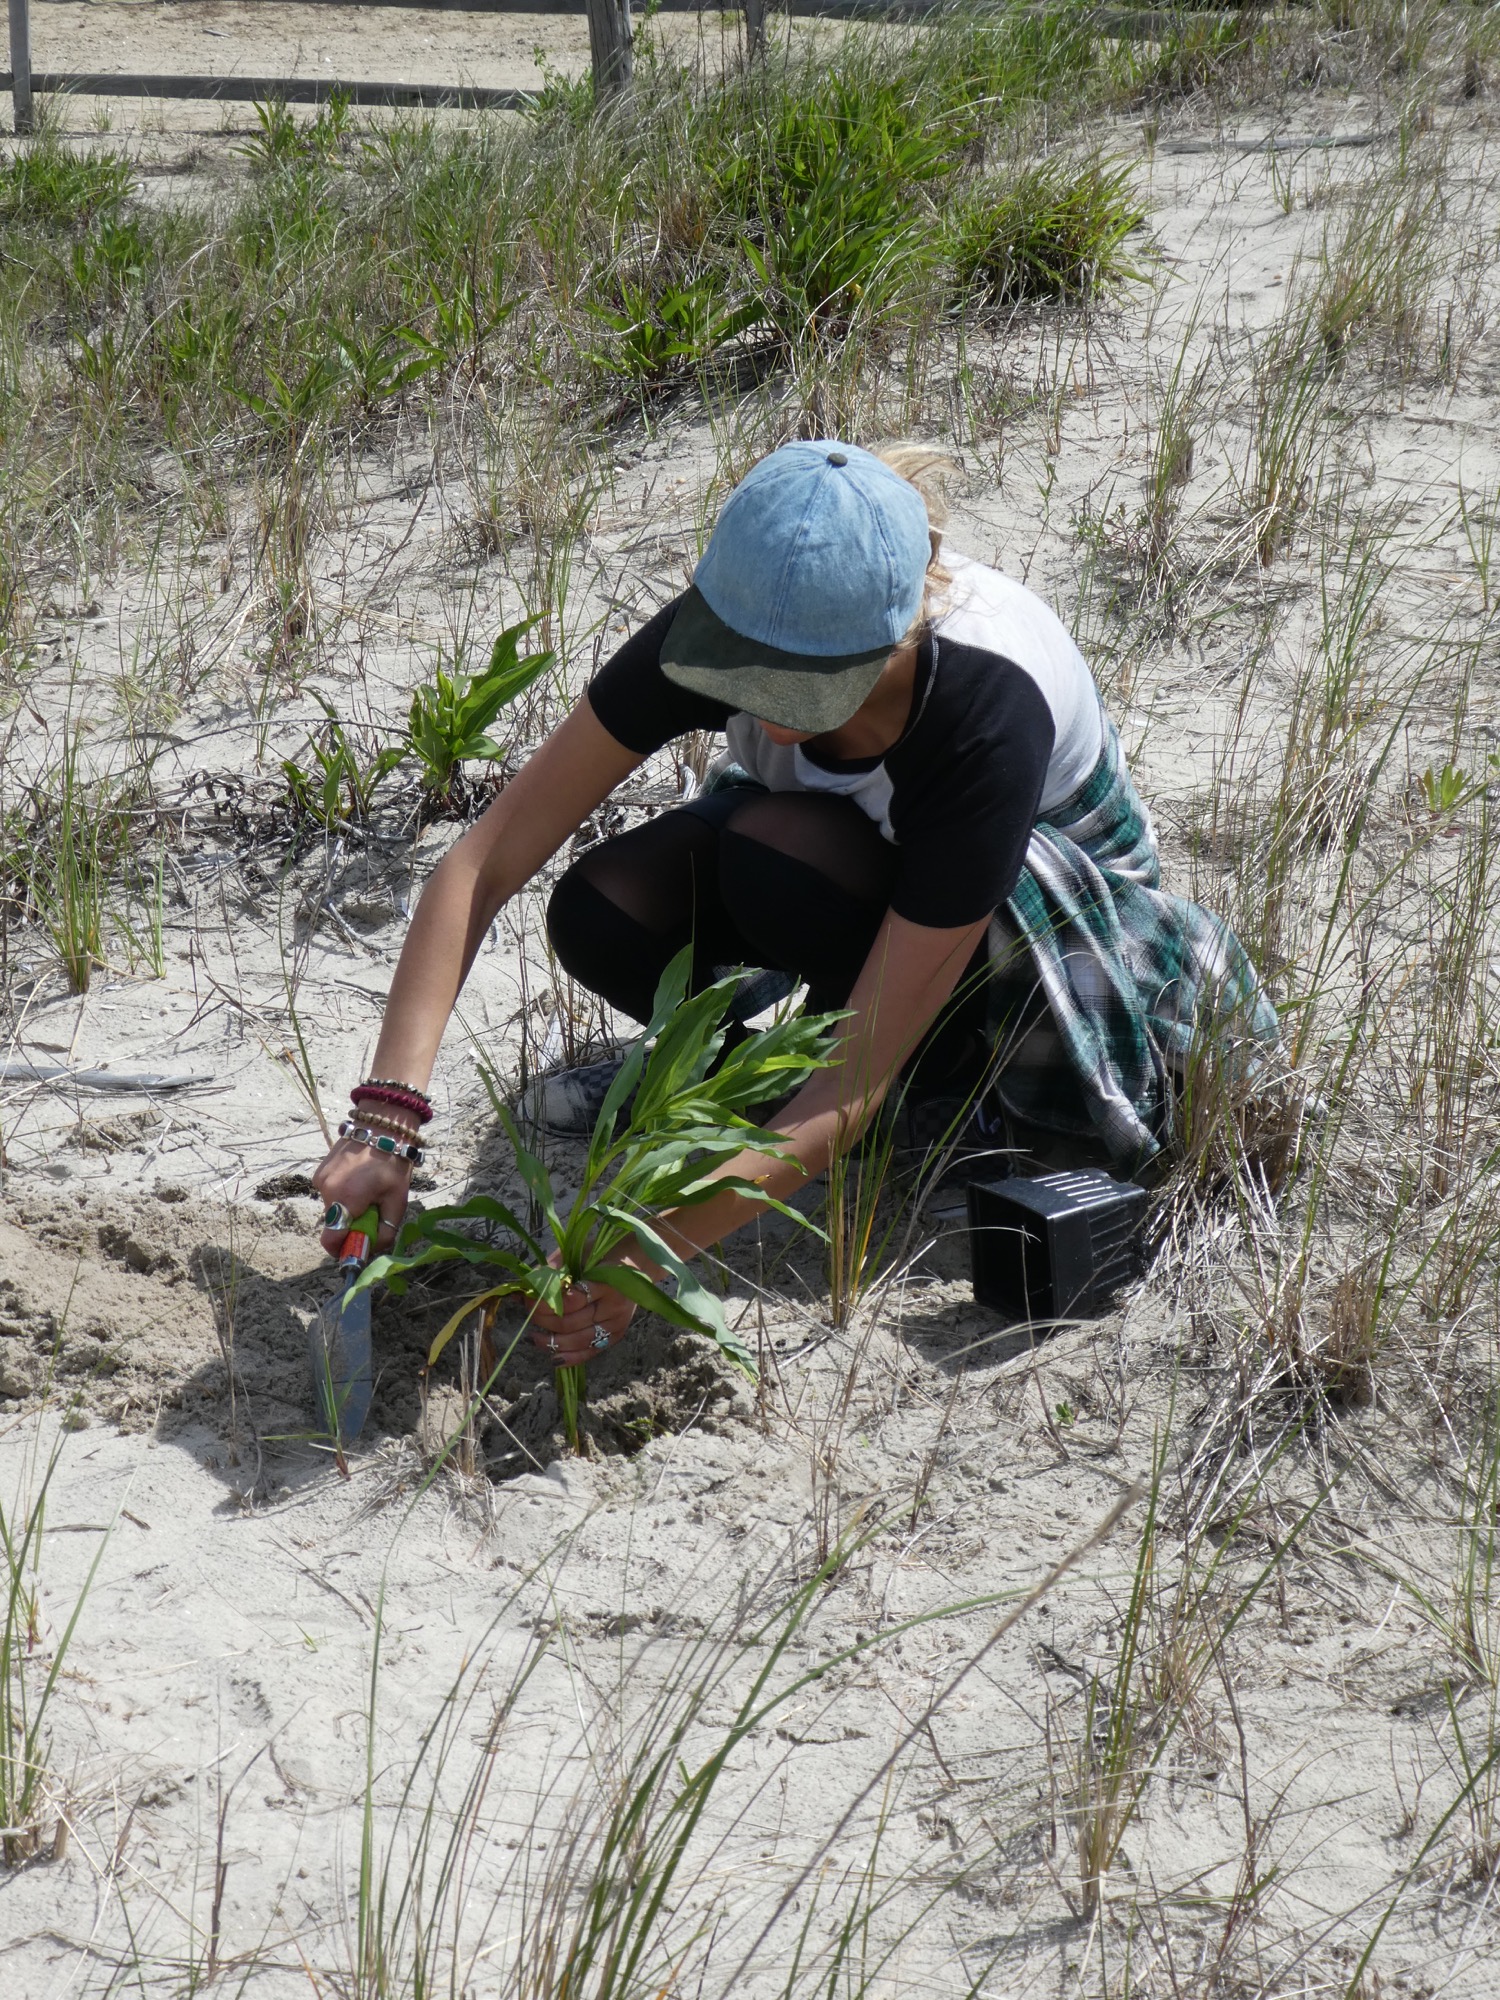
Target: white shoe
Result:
[[568, 1102]]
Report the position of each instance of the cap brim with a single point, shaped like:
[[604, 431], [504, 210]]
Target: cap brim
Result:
[[793, 690]]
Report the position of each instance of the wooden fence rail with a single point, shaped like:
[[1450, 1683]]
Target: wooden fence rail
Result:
[[609, 49], [263, 90]]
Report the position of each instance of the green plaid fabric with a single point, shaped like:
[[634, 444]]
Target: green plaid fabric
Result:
[[1102, 983]]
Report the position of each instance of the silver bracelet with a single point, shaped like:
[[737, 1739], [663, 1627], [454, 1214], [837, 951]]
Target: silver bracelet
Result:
[[382, 1142]]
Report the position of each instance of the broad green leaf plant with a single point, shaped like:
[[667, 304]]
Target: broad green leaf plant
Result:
[[669, 1122], [449, 721]]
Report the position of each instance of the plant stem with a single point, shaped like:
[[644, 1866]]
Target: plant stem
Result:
[[571, 1382]]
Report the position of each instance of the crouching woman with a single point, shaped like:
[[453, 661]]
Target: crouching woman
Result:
[[921, 814]]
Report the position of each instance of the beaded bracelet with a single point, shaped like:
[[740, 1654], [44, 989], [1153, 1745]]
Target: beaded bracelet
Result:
[[395, 1083], [380, 1142], [399, 1099], [402, 1131], [398, 1094]]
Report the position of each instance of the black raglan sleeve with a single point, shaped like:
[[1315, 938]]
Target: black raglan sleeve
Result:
[[966, 796], [636, 702]]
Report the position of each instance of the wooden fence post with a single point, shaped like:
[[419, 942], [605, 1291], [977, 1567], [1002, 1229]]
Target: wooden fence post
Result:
[[755, 29], [609, 47], [20, 63]]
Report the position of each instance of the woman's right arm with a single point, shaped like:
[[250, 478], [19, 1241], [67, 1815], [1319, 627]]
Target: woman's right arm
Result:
[[571, 772]]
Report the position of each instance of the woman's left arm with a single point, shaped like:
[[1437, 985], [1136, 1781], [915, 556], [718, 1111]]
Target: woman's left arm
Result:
[[911, 971]]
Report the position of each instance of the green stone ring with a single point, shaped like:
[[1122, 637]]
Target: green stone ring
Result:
[[336, 1216]]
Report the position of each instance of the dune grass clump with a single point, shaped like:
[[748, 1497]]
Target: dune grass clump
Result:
[[794, 217], [74, 863], [1055, 231], [49, 187], [32, 1663], [838, 204]]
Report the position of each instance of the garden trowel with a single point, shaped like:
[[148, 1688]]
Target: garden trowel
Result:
[[339, 1340]]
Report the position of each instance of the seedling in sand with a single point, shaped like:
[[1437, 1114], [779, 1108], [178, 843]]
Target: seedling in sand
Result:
[[1444, 789], [335, 785], [449, 722], [1479, 514], [669, 1119], [384, 365], [25, 1691]]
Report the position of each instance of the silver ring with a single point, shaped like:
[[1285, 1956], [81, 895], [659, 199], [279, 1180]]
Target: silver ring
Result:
[[601, 1337], [336, 1216], [552, 1343]]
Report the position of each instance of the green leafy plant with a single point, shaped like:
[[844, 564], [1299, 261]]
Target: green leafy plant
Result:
[[336, 784], [107, 263], [277, 142], [282, 142], [53, 188], [385, 364], [1055, 231], [197, 340], [294, 404], [1444, 788], [461, 316], [449, 722], [660, 334], [670, 1119], [831, 193]]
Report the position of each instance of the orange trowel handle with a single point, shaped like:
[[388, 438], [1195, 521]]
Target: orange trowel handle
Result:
[[354, 1251]]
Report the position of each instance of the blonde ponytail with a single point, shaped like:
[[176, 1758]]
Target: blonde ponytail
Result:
[[928, 468]]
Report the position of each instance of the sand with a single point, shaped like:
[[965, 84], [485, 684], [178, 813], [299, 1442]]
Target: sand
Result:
[[212, 1734]]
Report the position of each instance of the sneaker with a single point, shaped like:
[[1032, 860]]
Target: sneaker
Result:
[[567, 1103], [958, 1138]]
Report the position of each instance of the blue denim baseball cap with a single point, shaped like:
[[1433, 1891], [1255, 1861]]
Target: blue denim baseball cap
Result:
[[813, 574]]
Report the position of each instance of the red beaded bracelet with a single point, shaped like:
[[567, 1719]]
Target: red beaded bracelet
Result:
[[399, 1094], [395, 1083]]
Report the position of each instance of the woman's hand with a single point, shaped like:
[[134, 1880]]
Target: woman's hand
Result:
[[592, 1319], [360, 1178]]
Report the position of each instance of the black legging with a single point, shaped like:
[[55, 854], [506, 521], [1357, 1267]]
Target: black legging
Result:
[[795, 882]]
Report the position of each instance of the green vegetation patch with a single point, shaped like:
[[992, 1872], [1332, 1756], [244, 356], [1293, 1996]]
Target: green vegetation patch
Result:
[[47, 187], [1057, 230]]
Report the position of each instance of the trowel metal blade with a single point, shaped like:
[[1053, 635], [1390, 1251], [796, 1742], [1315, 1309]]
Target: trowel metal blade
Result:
[[343, 1364]]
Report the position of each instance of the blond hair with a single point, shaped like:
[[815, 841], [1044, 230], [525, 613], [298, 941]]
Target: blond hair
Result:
[[927, 467]]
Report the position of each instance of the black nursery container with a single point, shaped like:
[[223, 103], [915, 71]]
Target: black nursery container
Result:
[[1055, 1247]]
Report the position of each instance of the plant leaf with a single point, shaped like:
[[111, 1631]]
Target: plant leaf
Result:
[[694, 1296], [645, 1292], [450, 1327]]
